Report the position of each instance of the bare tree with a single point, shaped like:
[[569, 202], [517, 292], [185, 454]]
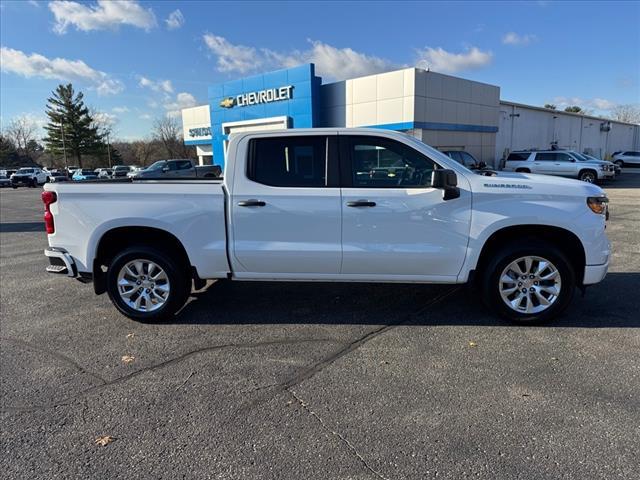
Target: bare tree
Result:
[[167, 131], [143, 150], [22, 131], [626, 113]]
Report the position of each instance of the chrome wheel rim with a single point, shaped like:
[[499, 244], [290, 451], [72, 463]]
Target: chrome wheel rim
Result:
[[588, 177], [530, 285], [143, 285]]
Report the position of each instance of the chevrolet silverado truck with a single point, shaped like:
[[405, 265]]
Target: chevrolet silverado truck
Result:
[[332, 205]]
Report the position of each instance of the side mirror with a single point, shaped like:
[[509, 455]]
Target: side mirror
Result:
[[482, 165], [446, 180]]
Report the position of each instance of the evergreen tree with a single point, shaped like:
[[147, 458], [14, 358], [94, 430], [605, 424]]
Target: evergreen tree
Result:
[[69, 116]]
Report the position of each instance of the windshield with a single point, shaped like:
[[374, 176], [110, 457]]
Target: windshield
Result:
[[25, 170], [434, 154], [158, 165], [580, 156]]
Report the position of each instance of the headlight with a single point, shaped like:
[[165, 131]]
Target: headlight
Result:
[[598, 205]]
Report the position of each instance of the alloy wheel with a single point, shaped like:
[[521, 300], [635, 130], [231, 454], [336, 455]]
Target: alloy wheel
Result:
[[530, 284], [143, 285]]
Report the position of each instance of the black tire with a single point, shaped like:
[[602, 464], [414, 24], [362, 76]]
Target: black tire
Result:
[[177, 273], [490, 279], [14, 186], [589, 176]]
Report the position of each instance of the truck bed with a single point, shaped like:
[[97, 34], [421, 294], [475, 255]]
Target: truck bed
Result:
[[190, 209]]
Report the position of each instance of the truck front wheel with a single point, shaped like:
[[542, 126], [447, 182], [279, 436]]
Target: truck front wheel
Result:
[[529, 283], [146, 284]]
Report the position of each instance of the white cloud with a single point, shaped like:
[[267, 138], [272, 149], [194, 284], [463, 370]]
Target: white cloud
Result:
[[105, 118], [512, 38], [106, 14], [439, 60], [182, 100], [156, 85], [36, 65], [233, 58], [601, 104], [33, 3], [120, 109], [145, 116], [175, 20], [332, 62], [339, 63]]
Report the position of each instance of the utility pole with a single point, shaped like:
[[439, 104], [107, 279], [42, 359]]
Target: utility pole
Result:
[[64, 149]]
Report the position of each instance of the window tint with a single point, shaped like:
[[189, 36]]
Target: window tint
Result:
[[633, 154], [382, 163], [180, 165], [564, 157], [546, 157], [454, 155], [518, 156], [468, 159], [289, 161]]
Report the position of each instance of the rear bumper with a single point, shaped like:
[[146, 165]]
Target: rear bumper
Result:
[[595, 273], [60, 262]]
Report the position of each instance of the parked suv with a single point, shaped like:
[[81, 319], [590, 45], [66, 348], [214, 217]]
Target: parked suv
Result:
[[626, 158], [29, 176], [563, 163]]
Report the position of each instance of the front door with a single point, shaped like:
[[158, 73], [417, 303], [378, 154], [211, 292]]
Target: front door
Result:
[[394, 225], [285, 208]]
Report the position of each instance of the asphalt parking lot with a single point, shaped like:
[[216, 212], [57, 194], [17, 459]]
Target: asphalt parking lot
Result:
[[349, 381]]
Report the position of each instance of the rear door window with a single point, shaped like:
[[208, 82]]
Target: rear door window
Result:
[[291, 161], [518, 156]]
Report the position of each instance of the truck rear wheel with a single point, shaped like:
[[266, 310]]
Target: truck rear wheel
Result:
[[147, 284], [529, 282]]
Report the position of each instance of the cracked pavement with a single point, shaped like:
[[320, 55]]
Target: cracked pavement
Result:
[[306, 380]]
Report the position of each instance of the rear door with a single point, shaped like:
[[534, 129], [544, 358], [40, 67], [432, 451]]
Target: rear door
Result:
[[395, 226], [286, 208]]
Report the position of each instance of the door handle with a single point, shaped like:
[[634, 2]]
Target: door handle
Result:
[[251, 203], [361, 203]]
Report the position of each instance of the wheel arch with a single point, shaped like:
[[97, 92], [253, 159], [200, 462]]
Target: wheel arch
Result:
[[116, 239], [566, 240]]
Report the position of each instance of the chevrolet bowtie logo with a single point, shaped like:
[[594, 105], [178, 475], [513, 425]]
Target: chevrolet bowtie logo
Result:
[[228, 102]]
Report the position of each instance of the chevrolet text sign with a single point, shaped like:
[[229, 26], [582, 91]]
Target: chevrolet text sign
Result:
[[263, 96]]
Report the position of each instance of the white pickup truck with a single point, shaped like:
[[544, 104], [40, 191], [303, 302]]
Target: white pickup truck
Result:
[[356, 205]]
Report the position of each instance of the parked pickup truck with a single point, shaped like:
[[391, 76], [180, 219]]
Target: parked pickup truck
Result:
[[178, 168], [348, 205]]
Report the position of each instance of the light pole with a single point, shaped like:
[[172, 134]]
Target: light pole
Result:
[[108, 150], [64, 149]]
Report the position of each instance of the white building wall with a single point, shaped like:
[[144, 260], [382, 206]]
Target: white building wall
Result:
[[441, 110], [195, 118], [524, 126]]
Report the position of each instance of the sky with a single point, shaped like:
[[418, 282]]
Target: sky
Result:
[[137, 61]]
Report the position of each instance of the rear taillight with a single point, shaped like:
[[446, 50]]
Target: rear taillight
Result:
[[48, 198]]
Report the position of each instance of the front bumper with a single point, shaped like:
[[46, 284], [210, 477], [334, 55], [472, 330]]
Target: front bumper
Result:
[[595, 273], [21, 180], [60, 262]]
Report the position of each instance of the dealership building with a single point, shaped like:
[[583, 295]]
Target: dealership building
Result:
[[446, 112]]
